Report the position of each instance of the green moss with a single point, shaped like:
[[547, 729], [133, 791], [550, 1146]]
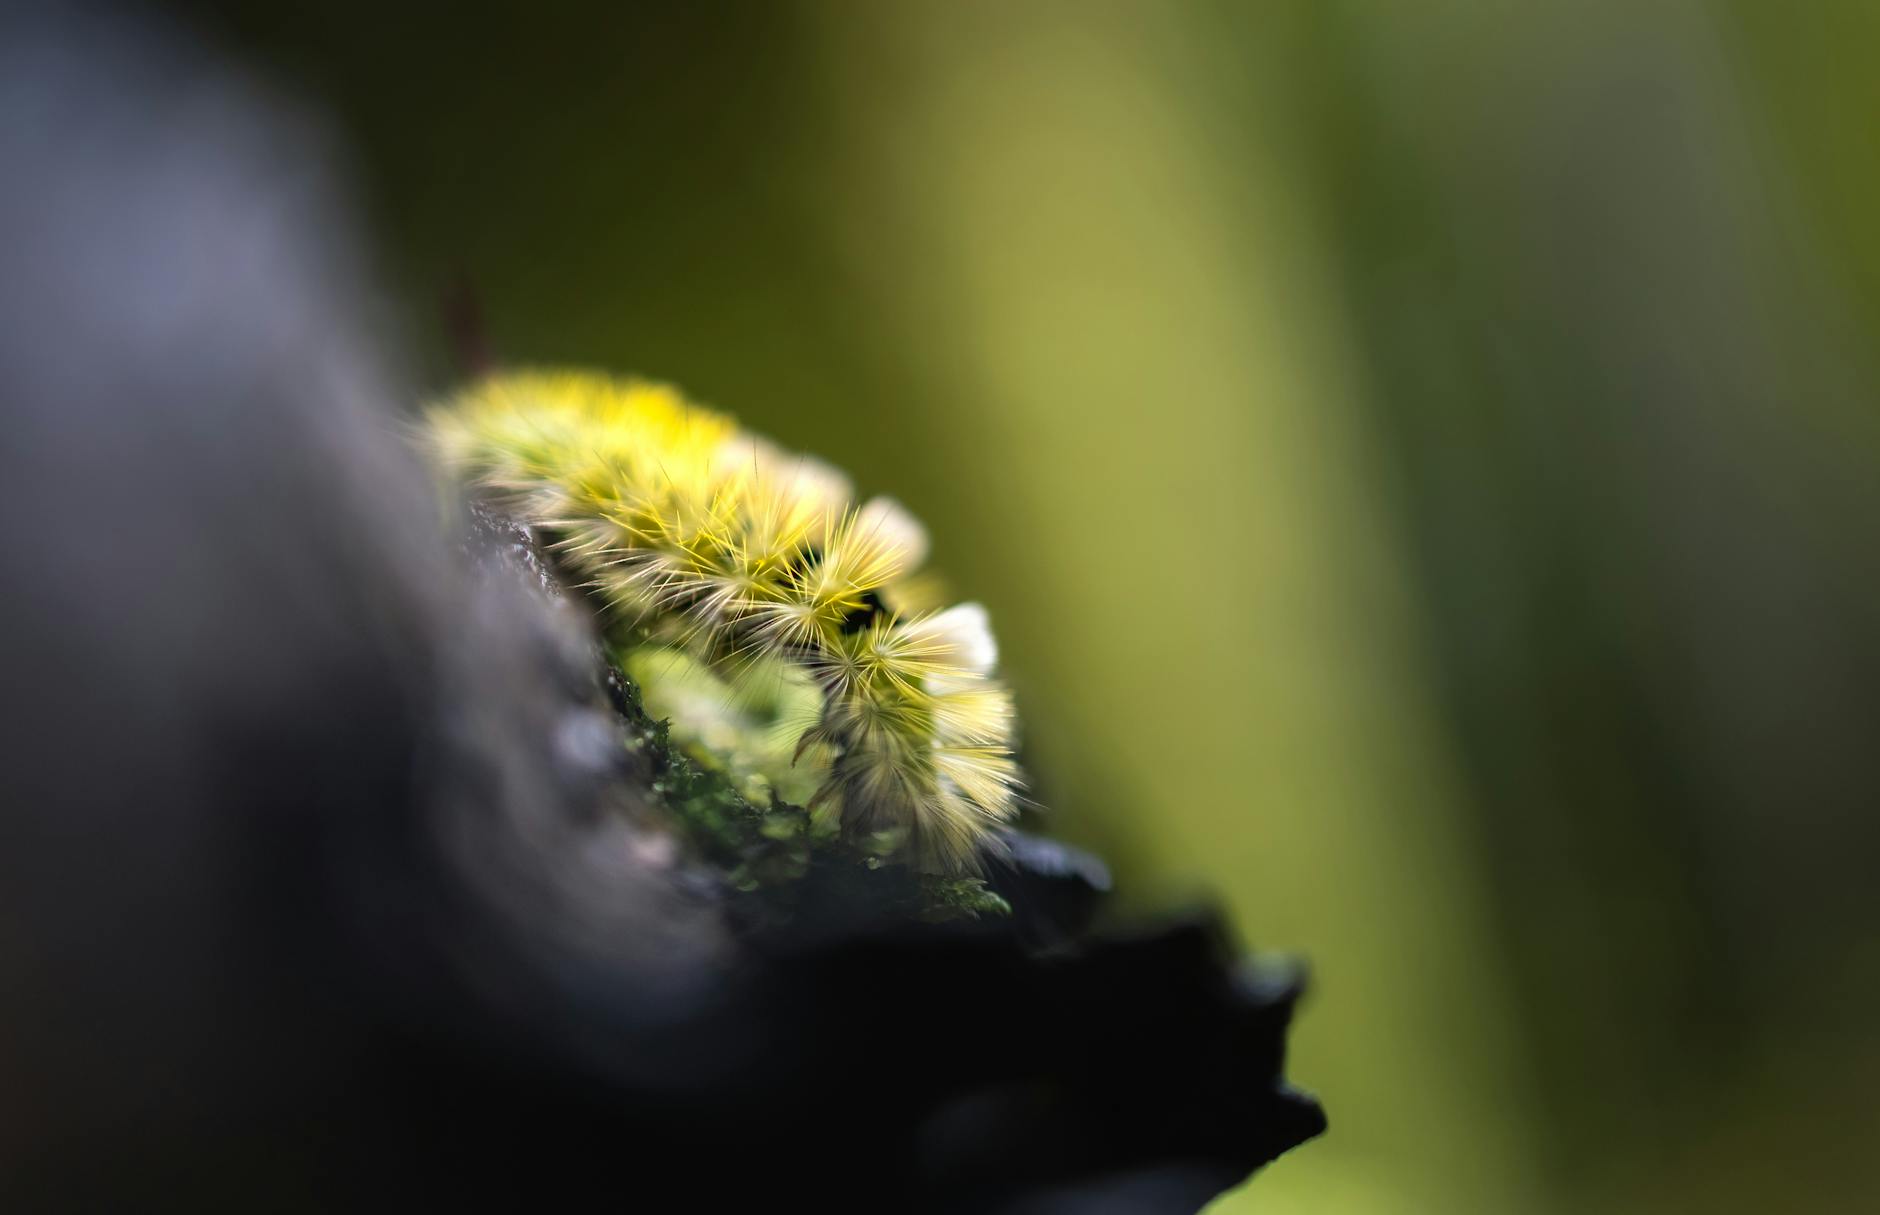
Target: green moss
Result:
[[749, 728], [777, 852]]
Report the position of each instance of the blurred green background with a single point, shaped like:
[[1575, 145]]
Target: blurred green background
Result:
[[1421, 459]]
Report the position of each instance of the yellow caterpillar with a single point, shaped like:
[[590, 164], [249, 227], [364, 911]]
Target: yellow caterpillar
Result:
[[714, 542]]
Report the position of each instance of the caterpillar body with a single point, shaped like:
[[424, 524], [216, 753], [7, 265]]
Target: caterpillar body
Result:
[[718, 544]]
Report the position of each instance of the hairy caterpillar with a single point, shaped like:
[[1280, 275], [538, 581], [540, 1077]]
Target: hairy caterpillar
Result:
[[721, 546]]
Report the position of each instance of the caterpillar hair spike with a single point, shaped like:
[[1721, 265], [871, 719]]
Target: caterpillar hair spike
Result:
[[742, 561]]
